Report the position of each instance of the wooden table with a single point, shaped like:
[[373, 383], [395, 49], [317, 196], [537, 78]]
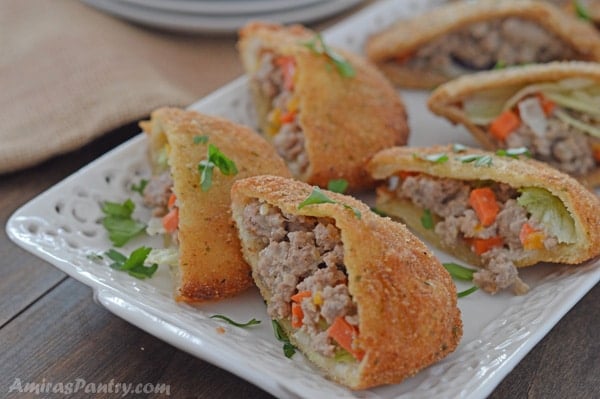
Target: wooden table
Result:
[[53, 331]]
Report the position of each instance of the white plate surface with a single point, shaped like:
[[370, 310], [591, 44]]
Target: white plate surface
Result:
[[221, 7], [61, 226], [194, 22]]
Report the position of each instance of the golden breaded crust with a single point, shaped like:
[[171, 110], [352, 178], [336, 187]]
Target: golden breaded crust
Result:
[[405, 37], [447, 99], [344, 120], [407, 303], [211, 265], [581, 203]]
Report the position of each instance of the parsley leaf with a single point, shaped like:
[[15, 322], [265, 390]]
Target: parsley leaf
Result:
[[581, 11], [427, 219], [318, 46], [458, 147], [201, 139], [318, 197], [214, 158], [118, 222], [337, 185], [479, 160], [288, 349], [249, 323], [134, 264], [139, 188]]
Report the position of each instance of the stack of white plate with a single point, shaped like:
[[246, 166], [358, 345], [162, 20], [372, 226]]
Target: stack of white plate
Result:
[[218, 16]]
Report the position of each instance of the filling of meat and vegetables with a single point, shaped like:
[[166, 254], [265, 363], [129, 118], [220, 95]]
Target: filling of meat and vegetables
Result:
[[558, 122], [158, 195], [301, 264], [497, 222], [484, 45], [275, 78]]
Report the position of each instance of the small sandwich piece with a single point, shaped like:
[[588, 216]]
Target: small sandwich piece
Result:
[[464, 37], [552, 109], [358, 294], [195, 159], [325, 110], [499, 212]]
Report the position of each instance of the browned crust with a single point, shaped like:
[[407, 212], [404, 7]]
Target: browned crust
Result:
[[345, 120], [447, 99], [582, 204], [406, 300], [404, 37], [211, 265]]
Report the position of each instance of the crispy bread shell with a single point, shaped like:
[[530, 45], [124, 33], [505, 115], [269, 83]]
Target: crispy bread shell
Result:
[[405, 37], [211, 265], [344, 120], [447, 99], [581, 203], [407, 304]]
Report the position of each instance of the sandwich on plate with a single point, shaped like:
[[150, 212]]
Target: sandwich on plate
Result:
[[358, 294], [195, 159], [325, 110], [499, 211], [469, 36], [552, 109]]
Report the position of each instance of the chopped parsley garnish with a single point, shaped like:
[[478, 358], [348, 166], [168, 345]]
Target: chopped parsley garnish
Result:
[[249, 323], [318, 46], [514, 152], [134, 264], [288, 349], [461, 273], [139, 188], [214, 158], [317, 196], [200, 139], [581, 11], [337, 185], [427, 219], [118, 222], [459, 147], [435, 158], [500, 64], [478, 160]]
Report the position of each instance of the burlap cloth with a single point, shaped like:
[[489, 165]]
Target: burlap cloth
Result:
[[69, 73]]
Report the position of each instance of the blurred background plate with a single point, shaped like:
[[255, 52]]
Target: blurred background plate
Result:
[[224, 7], [196, 22]]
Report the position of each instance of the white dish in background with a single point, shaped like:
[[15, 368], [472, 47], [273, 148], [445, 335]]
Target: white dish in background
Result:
[[61, 226], [220, 7], [190, 22]]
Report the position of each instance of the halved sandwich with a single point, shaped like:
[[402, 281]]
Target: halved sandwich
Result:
[[358, 294], [325, 110], [552, 109], [499, 212], [465, 37], [196, 158]]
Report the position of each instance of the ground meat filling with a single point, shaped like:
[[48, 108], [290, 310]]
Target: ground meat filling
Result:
[[157, 193], [563, 146], [481, 46], [459, 223], [302, 255], [288, 138]]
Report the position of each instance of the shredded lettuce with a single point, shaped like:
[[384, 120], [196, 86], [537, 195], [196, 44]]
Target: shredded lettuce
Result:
[[164, 256], [550, 212]]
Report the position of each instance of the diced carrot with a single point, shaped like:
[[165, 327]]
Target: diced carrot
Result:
[[298, 297], [531, 238], [171, 220], [504, 124], [482, 245], [547, 104], [483, 202], [288, 68], [406, 173], [596, 151], [171, 202], [287, 117], [344, 334], [297, 315]]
